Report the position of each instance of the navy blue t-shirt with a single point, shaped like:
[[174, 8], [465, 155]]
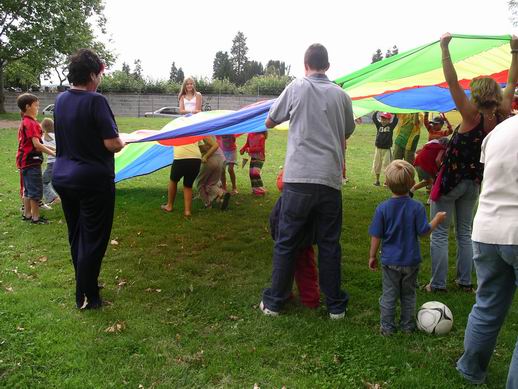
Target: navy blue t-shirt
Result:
[[398, 222], [82, 120]]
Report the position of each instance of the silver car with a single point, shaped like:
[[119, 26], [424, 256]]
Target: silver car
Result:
[[48, 110], [170, 112]]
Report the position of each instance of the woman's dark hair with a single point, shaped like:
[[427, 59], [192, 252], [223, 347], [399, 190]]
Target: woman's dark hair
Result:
[[25, 100], [316, 57], [83, 63]]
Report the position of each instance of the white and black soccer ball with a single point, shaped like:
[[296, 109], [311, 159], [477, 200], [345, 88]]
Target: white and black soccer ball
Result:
[[435, 318]]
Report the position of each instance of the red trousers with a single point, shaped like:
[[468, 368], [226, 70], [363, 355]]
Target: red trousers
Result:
[[306, 277]]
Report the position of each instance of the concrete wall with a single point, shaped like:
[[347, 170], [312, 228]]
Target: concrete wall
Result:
[[136, 105]]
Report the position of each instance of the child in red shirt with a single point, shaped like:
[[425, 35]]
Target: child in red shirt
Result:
[[306, 276], [255, 146], [428, 160], [29, 157]]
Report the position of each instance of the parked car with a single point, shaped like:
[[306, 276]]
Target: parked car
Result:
[[171, 112], [48, 110]]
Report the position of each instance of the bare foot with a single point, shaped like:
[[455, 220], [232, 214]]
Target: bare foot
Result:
[[165, 208]]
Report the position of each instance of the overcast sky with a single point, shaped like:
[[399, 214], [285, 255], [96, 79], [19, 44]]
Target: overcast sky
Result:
[[190, 33]]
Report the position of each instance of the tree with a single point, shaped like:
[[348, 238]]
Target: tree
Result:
[[222, 67], [513, 7], [126, 68], [252, 69], [377, 56], [173, 72], [180, 76], [46, 31], [276, 68], [137, 71], [239, 58]]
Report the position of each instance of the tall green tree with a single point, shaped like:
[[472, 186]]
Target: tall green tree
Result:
[[180, 76], [276, 68], [138, 73], [173, 72], [252, 69], [222, 67], [513, 8], [46, 31], [238, 57], [126, 68]]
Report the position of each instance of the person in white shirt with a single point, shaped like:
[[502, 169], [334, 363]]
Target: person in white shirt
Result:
[[495, 249]]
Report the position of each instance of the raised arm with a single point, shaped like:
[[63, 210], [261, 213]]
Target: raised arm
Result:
[[211, 141], [512, 78], [467, 110]]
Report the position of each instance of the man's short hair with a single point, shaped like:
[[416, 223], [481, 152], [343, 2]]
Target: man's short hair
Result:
[[316, 57], [24, 100], [82, 64], [399, 176]]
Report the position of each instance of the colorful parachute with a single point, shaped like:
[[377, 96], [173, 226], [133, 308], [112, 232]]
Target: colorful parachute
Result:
[[414, 81], [148, 150]]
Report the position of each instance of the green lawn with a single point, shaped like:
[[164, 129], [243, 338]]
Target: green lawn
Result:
[[185, 296]]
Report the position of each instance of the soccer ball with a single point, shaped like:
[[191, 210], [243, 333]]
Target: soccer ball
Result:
[[435, 318]]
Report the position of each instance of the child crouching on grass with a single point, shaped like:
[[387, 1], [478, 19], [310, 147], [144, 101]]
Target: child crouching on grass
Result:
[[306, 275], [397, 224]]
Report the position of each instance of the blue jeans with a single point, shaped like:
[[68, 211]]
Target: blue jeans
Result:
[[459, 204], [399, 283], [322, 205], [497, 274], [49, 194]]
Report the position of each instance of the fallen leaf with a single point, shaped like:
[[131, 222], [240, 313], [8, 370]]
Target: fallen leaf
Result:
[[191, 288], [114, 242], [162, 245], [158, 290], [118, 326], [122, 283], [42, 259], [20, 328], [232, 317], [9, 289], [256, 386]]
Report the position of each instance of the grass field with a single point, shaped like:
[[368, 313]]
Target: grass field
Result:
[[184, 297]]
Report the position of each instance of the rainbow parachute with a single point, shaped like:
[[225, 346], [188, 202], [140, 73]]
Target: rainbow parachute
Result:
[[413, 81], [147, 150]]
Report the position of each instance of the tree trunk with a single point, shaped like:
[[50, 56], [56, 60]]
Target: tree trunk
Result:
[[2, 96]]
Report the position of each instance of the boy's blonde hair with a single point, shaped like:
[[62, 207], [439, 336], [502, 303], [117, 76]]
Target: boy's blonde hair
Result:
[[399, 176], [47, 124]]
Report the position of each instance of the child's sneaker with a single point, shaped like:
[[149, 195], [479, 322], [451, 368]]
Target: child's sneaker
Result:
[[337, 316], [44, 206], [41, 220], [267, 311]]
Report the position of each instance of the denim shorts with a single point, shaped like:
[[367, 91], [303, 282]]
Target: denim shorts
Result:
[[32, 182]]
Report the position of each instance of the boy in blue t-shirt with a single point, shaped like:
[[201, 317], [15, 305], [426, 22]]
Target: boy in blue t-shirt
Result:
[[397, 224]]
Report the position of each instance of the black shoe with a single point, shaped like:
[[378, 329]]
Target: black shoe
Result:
[[26, 218], [226, 200], [41, 220]]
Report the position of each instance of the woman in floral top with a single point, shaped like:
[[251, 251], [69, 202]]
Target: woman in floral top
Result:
[[458, 181]]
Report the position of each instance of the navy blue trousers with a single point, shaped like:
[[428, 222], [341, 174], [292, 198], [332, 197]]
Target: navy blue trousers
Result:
[[322, 205], [89, 216]]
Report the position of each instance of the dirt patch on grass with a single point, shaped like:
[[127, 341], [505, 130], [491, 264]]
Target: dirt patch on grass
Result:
[[9, 123]]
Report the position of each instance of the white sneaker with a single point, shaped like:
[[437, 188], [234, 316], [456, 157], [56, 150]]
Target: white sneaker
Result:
[[44, 206], [337, 316], [267, 311]]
